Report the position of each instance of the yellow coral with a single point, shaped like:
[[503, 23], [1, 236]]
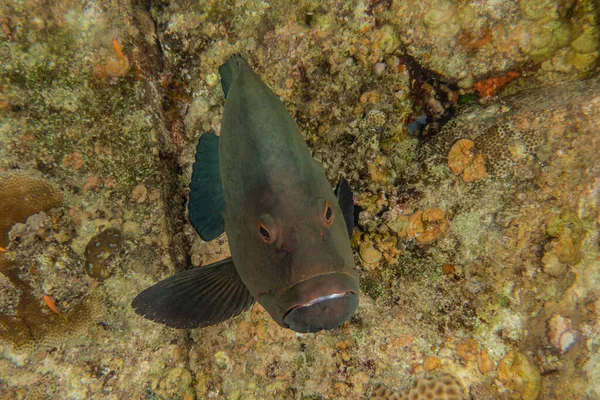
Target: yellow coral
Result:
[[519, 376], [22, 195]]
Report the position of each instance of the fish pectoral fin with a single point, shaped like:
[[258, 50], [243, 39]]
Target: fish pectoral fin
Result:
[[344, 197], [206, 203], [195, 298]]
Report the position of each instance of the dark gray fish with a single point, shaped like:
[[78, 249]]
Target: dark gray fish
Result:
[[288, 230]]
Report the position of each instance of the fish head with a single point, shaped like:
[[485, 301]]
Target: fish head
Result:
[[307, 280]]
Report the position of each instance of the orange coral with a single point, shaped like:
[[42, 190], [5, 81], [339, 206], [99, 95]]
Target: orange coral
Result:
[[462, 160], [460, 155], [475, 170], [469, 351], [424, 226], [485, 363], [432, 362], [448, 269], [119, 50], [435, 225], [491, 86]]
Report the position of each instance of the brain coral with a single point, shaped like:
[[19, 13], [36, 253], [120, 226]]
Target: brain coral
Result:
[[22, 195], [442, 388]]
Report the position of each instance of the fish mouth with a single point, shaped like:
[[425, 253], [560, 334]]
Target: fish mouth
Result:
[[321, 302], [325, 312]]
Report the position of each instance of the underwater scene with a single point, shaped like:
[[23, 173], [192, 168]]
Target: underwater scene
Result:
[[251, 199]]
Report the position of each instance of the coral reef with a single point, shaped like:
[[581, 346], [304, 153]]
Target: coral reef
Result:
[[477, 226]]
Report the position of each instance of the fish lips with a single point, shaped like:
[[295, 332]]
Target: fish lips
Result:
[[322, 302]]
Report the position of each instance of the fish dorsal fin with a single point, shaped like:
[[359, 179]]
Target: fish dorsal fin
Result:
[[228, 71], [195, 298], [206, 203], [344, 198]]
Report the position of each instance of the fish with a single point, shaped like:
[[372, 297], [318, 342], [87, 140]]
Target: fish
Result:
[[288, 229], [52, 305]]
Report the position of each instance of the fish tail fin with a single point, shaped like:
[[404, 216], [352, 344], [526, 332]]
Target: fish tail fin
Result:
[[229, 70]]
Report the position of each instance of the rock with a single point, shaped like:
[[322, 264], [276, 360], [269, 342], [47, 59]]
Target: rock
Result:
[[552, 265], [559, 332]]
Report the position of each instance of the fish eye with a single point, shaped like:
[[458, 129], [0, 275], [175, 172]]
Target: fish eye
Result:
[[327, 215], [267, 228]]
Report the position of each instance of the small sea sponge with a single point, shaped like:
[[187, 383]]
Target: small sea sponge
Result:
[[425, 226], [369, 254], [586, 41], [544, 10], [566, 222], [176, 381], [568, 231], [22, 195], [445, 387], [99, 249], [440, 14]]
